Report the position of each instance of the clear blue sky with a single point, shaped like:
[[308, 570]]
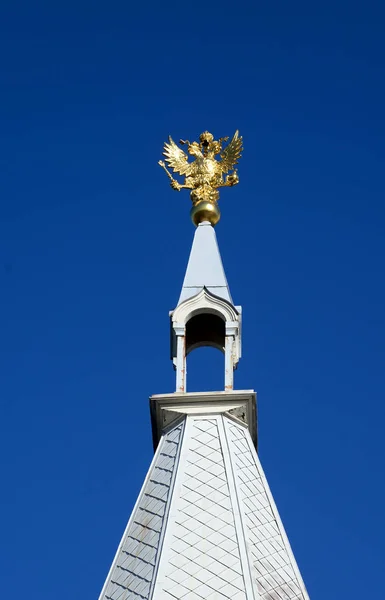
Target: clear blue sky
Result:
[[93, 247]]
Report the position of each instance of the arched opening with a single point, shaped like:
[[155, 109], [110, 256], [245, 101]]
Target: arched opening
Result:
[[205, 320], [205, 329], [205, 369]]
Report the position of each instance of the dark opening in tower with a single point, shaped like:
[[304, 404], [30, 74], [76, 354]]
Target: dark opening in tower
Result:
[[205, 329]]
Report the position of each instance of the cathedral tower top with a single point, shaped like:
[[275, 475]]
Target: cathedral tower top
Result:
[[205, 314], [205, 526]]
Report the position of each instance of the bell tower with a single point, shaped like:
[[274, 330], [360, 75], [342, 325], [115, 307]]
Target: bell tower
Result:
[[205, 525], [205, 314]]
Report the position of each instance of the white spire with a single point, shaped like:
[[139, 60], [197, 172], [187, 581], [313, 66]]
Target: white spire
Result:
[[205, 314], [205, 526], [205, 268]]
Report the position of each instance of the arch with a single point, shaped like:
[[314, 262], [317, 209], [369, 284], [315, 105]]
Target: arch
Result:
[[205, 329], [204, 302], [205, 320]]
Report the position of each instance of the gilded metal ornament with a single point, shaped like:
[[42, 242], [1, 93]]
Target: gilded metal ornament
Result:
[[203, 176]]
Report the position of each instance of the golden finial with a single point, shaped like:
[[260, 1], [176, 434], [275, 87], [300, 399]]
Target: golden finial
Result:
[[204, 175]]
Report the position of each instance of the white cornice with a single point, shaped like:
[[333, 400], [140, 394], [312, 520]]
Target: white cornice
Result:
[[238, 405]]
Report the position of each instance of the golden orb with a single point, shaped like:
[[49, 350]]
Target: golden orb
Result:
[[205, 211]]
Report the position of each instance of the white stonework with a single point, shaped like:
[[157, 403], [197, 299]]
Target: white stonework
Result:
[[205, 526]]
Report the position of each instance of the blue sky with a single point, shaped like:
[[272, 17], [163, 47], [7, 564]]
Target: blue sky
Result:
[[93, 247]]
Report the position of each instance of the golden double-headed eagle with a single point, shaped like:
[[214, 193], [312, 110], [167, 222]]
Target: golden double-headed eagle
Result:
[[205, 174]]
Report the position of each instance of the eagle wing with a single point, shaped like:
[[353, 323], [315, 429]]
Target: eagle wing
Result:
[[176, 159], [232, 153]]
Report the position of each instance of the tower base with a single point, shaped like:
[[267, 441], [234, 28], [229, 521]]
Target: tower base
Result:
[[205, 525]]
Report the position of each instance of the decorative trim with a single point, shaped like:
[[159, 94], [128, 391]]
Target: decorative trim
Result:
[[239, 406], [202, 302]]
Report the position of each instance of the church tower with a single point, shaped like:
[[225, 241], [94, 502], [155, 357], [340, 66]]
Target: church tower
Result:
[[205, 525]]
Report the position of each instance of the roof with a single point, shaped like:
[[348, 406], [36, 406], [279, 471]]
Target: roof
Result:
[[205, 268], [205, 526]]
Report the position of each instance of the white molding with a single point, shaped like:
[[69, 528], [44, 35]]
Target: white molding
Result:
[[202, 302], [203, 403]]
